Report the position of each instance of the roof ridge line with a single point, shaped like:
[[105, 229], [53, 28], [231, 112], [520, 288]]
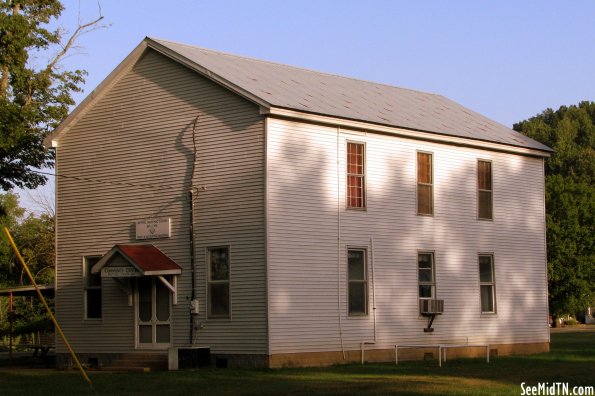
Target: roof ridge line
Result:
[[294, 67]]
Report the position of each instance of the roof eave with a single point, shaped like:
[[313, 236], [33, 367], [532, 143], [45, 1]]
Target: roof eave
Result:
[[163, 272], [404, 132]]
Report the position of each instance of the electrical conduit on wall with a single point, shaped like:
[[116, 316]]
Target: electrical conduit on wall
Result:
[[339, 244], [364, 343]]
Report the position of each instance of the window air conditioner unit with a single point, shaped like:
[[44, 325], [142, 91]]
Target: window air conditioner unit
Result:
[[431, 307]]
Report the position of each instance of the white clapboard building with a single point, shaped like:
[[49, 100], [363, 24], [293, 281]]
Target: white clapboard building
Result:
[[276, 216]]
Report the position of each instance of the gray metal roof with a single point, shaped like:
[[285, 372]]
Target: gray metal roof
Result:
[[320, 93]]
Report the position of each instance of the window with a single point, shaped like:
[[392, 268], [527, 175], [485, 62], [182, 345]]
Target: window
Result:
[[218, 287], [356, 180], [358, 282], [92, 287], [487, 284], [425, 188], [484, 190], [426, 276]]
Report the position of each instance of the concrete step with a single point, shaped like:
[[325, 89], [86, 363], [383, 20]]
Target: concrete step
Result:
[[139, 362], [128, 369], [144, 356], [143, 359], [152, 367], [145, 363]]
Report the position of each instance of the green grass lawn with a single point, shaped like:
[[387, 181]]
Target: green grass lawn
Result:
[[572, 360]]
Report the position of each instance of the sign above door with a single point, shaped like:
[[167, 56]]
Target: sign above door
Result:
[[153, 228]]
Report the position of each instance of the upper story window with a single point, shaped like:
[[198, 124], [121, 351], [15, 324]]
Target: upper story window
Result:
[[218, 284], [356, 178], [425, 184], [487, 283], [92, 288], [484, 190], [358, 282]]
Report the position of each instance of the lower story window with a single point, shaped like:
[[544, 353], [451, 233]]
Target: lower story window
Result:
[[426, 276], [358, 282], [218, 285], [92, 287], [487, 284]]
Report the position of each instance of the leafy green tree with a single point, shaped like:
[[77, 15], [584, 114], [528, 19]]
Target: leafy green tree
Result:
[[34, 235], [33, 100], [11, 217], [570, 203]]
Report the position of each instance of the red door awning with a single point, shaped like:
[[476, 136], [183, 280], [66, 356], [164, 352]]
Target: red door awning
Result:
[[134, 261]]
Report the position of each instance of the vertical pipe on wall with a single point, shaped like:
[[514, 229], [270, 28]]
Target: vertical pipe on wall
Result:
[[339, 244], [373, 285], [266, 232], [191, 192], [364, 343], [56, 247], [547, 297], [192, 259]]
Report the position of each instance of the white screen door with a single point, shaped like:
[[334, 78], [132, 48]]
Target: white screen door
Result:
[[153, 313]]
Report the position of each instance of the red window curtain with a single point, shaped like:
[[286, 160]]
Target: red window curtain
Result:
[[355, 175], [425, 194], [484, 185]]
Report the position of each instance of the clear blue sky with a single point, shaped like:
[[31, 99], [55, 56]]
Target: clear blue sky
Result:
[[506, 59]]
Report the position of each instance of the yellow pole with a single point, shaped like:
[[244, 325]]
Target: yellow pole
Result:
[[16, 250]]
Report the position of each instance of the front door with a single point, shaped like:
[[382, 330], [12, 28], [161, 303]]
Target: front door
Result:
[[153, 313]]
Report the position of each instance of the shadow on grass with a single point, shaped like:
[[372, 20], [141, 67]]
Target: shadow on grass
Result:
[[572, 360]]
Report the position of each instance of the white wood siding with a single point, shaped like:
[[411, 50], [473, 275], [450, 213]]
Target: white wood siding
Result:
[[305, 194], [137, 140]]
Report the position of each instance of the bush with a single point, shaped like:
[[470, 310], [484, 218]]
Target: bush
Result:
[[571, 322]]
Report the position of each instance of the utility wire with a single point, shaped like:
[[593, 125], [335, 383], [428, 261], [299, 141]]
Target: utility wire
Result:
[[101, 181]]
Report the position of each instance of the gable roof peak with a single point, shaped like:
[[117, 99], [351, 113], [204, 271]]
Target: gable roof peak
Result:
[[281, 64], [275, 86]]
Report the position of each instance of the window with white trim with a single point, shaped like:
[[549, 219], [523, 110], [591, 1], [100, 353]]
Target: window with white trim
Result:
[[484, 190], [92, 288], [426, 276], [358, 282], [425, 184], [356, 178], [487, 283], [218, 282]]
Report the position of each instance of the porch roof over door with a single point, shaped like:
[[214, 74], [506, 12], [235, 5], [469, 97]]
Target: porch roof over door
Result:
[[138, 259]]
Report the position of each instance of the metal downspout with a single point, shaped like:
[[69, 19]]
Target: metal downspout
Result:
[[191, 195], [364, 343], [373, 286], [547, 296], [339, 246], [192, 260]]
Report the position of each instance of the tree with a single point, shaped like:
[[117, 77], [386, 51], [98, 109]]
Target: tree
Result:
[[11, 217], [570, 203], [34, 235], [33, 100]]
